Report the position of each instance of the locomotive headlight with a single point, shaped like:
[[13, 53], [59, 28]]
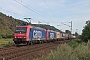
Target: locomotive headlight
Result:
[[15, 37], [24, 37]]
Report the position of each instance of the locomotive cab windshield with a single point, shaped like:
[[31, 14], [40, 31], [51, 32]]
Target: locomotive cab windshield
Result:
[[21, 30]]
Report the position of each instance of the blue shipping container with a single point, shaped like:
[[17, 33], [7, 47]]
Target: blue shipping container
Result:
[[52, 35], [37, 33]]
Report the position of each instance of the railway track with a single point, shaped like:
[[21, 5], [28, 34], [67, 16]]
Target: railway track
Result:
[[27, 52]]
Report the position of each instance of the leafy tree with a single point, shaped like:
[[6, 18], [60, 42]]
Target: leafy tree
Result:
[[86, 32], [76, 34], [68, 32]]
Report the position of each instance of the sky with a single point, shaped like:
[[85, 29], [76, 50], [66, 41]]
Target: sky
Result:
[[57, 13]]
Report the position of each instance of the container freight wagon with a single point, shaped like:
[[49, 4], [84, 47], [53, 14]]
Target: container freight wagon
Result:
[[50, 35], [62, 36], [37, 34], [58, 35], [66, 36], [29, 34]]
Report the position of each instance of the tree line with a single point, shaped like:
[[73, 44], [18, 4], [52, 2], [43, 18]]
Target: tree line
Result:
[[6, 35], [85, 36]]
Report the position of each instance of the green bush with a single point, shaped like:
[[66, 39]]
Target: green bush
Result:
[[74, 43], [82, 51], [63, 52], [66, 52], [6, 42], [7, 35], [0, 36], [7, 45]]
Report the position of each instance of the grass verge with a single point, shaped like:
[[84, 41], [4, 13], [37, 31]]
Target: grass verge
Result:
[[74, 51], [6, 42]]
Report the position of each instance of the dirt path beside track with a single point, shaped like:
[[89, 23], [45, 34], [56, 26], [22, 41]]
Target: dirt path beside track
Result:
[[28, 52]]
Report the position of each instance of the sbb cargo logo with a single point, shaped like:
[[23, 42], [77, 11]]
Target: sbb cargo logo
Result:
[[51, 35], [37, 34]]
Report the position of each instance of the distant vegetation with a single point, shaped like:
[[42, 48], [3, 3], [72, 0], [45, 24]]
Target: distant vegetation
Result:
[[86, 32], [70, 51], [46, 27], [8, 23]]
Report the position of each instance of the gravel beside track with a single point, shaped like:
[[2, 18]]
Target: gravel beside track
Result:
[[28, 52]]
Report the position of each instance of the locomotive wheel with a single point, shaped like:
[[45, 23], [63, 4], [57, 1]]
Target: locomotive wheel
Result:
[[31, 43], [27, 43], [42, 42]]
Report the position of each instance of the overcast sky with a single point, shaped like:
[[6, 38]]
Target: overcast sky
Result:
[[50, 11]]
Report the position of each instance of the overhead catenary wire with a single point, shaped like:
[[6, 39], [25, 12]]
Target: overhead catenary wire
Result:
[[32, 10], [49, 8], [66, 24], [25, 5], [12, 11]]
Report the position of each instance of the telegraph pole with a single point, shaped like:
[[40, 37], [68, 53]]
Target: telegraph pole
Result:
[[71, 27], [68, 25]]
